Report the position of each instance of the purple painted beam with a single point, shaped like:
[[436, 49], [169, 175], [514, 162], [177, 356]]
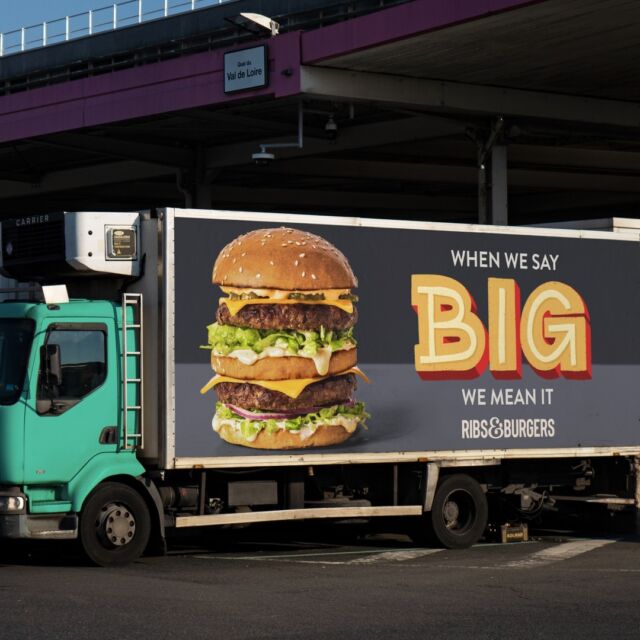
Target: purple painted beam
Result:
[[197, 80], [183, 83], [397, 23]]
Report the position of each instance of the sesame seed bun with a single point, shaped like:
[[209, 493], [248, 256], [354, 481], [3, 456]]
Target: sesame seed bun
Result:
[[324, 436], [282, 258]]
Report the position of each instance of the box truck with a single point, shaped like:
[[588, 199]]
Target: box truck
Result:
[[183, 368]]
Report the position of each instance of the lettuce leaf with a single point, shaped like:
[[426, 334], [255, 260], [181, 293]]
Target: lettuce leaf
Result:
[[322, 416], [224, 339]]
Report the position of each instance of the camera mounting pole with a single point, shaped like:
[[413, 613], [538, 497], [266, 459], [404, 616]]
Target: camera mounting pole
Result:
[[264, 156]]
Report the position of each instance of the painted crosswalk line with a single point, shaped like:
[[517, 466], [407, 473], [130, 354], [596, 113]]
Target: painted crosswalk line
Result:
[[558, 553], [368, 556], [361, 557], [395, 556]]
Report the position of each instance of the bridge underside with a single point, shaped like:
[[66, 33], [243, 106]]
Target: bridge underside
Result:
[[479, 118]]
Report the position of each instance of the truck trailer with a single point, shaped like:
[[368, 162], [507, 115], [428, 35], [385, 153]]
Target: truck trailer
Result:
[[182, 368]]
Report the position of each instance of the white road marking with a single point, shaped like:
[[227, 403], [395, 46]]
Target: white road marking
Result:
[[558, 553], [549, 555], [395, 556], [378, 556], [370, 556], [291, 555]]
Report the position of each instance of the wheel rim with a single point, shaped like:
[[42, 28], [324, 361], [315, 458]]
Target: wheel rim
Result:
[[458, 511], [115, 525]]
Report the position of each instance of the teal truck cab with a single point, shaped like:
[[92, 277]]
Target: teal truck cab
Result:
[[71, 389], [107, 435], [61, 426]]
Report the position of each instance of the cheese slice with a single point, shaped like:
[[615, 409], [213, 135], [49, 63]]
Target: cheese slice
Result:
[[235, 305], [291, 388], [283, 294]]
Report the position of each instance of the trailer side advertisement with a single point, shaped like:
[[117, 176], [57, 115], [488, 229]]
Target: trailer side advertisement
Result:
[[342, 339]]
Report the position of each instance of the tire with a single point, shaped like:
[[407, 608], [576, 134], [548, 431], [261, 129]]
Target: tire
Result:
[[459, 513], [115, 525]]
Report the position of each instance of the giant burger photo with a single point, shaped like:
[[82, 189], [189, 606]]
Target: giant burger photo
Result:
[[282, 345]]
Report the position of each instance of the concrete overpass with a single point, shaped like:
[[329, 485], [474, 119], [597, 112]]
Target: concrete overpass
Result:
[[512, 111]]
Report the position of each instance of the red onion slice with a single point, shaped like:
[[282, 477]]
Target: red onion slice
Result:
[[251, 415]]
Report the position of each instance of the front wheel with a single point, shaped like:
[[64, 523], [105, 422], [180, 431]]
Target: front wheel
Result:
[[114, 525], [459, 513]]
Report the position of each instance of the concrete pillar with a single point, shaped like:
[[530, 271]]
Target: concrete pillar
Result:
[[202, 198], [499, 191], [636, 466], [483, 205]]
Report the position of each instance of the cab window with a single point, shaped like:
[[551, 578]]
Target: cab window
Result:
[[80, 366], [16, 335]]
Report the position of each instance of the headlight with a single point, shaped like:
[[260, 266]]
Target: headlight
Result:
[[11, 503]]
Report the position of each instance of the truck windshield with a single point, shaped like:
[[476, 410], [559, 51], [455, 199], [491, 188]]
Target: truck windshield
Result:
[[16, 335]]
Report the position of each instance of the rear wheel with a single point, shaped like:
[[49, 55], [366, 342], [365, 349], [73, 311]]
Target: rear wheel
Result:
[[114, 525], [459, 513]]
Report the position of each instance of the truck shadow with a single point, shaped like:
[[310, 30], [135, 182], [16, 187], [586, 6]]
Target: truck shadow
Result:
[[292, 537], [54, 553], [266, 538], [295, 536]]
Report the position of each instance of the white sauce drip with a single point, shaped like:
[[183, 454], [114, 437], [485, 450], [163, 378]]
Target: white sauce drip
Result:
[[321, 359]]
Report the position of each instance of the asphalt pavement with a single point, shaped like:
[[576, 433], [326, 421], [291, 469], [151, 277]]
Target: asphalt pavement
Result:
[[302, 585]]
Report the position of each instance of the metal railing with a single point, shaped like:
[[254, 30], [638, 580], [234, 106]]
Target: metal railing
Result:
[[87, 23]]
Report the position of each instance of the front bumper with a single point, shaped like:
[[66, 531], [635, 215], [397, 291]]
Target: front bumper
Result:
[[16, 523], [17, 526]]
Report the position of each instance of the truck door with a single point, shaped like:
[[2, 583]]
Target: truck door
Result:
[[66, 417]]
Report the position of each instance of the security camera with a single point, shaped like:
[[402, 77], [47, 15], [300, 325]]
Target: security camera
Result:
[[263, 157], [331, 128]]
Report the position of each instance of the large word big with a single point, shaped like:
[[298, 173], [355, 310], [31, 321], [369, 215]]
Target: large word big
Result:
[[552, 330]]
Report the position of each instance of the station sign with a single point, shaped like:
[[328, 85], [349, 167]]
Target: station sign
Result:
[[245, 69]]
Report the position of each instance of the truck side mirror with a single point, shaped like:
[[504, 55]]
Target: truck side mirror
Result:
[[52, 369]]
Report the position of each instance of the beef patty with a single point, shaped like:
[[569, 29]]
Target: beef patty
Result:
[[326, 392], [302, 317]]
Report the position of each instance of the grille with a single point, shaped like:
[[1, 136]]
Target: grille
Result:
[[33, 245]]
